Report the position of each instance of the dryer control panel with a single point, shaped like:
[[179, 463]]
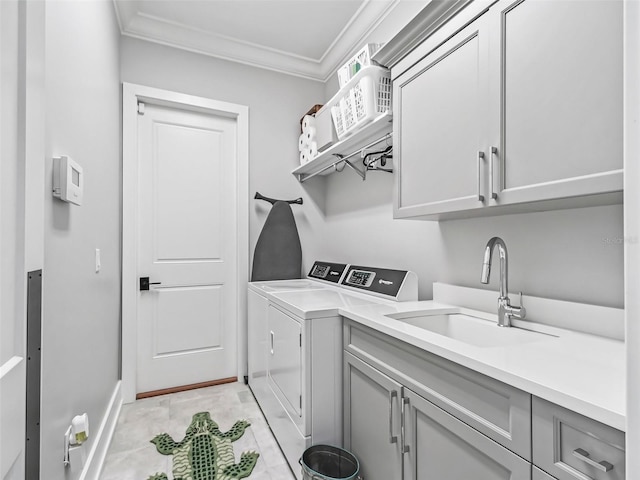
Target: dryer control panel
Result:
[[327, 271]]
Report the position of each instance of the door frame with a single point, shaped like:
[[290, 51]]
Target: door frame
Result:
[[30, 159], [131, 95], [632, 229]]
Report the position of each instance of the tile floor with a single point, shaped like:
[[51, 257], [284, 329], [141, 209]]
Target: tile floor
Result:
[[131, 456]]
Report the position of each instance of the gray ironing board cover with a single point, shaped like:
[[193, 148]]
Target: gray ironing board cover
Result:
[[278, 254]]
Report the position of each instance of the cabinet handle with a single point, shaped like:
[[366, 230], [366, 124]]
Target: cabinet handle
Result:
[[494, 151], [392, 438], [480, 159], [271, 332], [404, 446], [583, 455]]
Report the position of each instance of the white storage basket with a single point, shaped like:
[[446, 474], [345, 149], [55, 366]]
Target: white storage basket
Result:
[[365, 97], [357, 62]]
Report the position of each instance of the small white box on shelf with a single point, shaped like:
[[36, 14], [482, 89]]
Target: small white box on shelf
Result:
[[366, 96], [325, 133]]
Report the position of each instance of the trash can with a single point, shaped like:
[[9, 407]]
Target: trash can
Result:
[[325, 462]]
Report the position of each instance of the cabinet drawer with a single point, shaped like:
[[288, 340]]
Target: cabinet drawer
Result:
[[499, 411], [571, 446]]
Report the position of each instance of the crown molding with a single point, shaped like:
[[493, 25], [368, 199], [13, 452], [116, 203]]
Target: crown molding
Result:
[[159, 30], [435, 14]]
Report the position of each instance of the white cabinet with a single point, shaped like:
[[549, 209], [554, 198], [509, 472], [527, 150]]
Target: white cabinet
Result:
[[556, 98], [371, 419], [498, 411], [441, 106], [523, 105], [396, 433], [408, 415], [439, 446], [411, 415]]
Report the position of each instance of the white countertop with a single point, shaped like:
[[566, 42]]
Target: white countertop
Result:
[[582, 372]]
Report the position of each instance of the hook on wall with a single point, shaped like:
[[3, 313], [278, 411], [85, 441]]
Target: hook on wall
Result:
[[259, 196], [377, 160]]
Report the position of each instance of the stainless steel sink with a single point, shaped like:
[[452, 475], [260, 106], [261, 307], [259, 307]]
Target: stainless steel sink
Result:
[[469, 329]]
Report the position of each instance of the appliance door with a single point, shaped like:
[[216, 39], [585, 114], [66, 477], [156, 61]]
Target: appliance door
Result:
[[285, 362], [258, 344]]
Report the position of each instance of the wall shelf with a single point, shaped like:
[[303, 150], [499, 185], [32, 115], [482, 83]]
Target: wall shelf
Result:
[[330, 159]]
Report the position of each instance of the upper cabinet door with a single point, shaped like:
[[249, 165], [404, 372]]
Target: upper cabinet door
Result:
[[439, 124], [557, 99]]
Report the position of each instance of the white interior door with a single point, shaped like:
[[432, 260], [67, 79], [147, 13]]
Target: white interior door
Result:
[[188, 243]]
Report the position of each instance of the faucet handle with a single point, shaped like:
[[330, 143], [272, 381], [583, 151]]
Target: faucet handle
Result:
[[518, 312]]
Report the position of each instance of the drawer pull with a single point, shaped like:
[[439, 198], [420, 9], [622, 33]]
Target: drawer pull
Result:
[[392, 438], [583, 455]]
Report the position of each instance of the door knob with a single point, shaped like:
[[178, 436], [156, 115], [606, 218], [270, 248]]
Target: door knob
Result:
[[144, 283]]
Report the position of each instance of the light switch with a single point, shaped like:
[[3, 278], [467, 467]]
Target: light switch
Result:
[[98, 264]]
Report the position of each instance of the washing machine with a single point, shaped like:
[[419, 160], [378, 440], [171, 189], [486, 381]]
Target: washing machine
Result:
[[295, 347]]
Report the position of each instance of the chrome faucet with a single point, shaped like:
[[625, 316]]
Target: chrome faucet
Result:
[[505, 309]]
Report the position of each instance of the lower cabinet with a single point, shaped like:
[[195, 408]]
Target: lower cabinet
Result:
[[411, 415], [397, 434], [439, 446], [372, 420]]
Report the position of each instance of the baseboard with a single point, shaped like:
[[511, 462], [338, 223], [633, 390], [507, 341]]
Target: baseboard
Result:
[[184, 388], [95, 460]]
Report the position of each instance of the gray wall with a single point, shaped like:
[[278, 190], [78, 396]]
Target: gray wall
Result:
[[574, 255], [81, 308], [276, 103]]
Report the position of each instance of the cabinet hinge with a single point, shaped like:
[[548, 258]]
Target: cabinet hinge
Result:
[[140, 108], [300, 401], [300, 339]]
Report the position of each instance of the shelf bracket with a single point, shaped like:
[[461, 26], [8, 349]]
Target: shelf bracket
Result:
[[363, 174]]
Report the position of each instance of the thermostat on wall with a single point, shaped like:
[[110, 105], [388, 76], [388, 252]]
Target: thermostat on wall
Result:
[[68, 180]]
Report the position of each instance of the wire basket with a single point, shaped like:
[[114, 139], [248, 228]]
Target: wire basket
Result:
[[357, 62], [361, 100]]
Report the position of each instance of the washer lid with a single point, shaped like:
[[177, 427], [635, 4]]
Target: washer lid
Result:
[[286, 285], [319, 303]]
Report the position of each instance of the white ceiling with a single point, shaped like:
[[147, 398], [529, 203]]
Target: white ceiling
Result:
[[307, 38]]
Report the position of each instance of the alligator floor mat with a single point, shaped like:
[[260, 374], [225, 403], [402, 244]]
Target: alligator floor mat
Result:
[[206, 452]]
